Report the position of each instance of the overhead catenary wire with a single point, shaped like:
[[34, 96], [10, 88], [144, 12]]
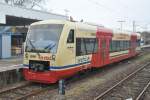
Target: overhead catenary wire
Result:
[[110, 10], [113, 12]]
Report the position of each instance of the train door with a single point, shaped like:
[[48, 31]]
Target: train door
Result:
[[133, 44], [104, 49], [102, 56]]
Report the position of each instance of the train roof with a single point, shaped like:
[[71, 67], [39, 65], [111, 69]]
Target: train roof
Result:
[[50, 22], [125, 32], [80, 25], [55, 21], [85, 26]]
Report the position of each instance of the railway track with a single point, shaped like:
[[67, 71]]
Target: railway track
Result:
[[146, 94], [133, 87], [24, 91]]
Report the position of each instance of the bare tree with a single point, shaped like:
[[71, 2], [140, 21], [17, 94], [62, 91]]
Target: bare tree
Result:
[[25, 3]]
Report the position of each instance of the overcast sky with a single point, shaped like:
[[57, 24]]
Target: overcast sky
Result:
[[106, 12]]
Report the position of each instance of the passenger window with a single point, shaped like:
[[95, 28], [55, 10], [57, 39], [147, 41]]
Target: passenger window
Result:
[[85, 46], [71, 37]]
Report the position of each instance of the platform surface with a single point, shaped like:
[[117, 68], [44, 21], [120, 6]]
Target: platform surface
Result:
[[11, 63], [145, 46]]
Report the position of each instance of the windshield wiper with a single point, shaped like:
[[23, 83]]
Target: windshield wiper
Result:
[[31, 43], [33, 46], [50, 46]]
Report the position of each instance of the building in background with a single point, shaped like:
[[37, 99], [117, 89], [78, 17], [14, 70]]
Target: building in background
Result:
[[14, 22], [146, 37]]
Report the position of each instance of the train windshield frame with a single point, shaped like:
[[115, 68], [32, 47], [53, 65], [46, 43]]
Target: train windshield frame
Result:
[[43, 38]]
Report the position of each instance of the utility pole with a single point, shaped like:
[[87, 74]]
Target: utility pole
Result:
[[146, 27], [121, 24], [134, 26]]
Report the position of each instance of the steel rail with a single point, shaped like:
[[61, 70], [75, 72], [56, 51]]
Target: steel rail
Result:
[[35, 92], [130, 75], [142, 93], [13, 88], [32, 93]]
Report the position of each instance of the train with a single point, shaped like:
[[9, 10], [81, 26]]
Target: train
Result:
[[58, 49]]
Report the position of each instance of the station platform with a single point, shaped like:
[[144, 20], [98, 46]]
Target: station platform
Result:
[[11, 71], [145, 46], [11, 63]]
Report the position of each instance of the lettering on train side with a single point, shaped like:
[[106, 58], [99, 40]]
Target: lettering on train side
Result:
[[83, 59], [47, 57], [32, 56], [44, 58]]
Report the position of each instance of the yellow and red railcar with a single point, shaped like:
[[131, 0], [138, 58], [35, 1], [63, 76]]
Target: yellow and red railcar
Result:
[[56, 49]]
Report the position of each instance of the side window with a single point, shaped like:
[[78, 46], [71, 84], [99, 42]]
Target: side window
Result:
[[95, 49], [127, 44], [110, 46], [85, 46], [118, 45], [114, 46], [70, 38], [80, 47], [121, 45]]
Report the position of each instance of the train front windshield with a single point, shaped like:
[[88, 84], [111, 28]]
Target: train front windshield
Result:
[[43, 38]]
